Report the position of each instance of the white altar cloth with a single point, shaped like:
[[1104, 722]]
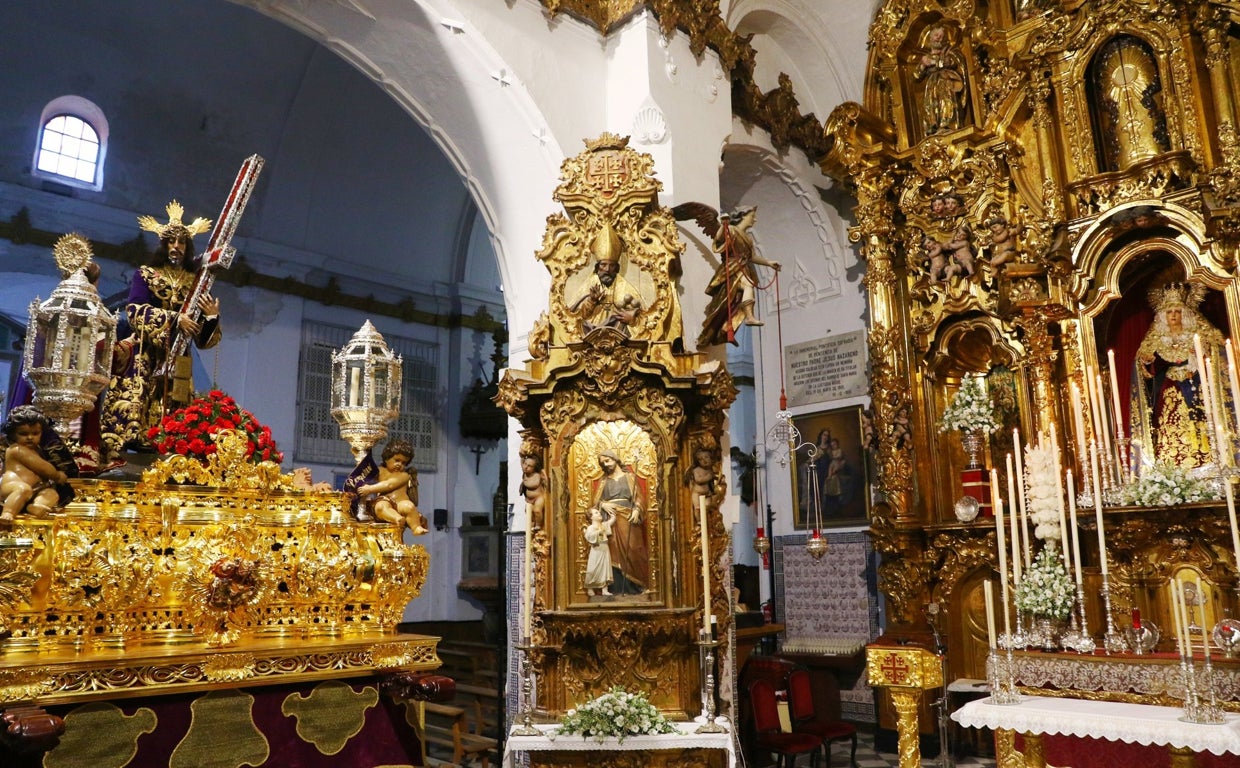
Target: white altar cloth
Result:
[[1131, 723], [685, 738]]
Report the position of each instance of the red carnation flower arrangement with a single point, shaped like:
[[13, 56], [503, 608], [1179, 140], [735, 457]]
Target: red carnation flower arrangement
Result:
[[190, 430]]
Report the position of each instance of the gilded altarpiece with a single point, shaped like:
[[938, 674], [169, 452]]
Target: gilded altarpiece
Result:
[[1027, 176], [615, 410]]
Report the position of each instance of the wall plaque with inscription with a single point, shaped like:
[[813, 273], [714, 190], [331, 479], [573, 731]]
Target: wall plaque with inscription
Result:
[[826, 369]]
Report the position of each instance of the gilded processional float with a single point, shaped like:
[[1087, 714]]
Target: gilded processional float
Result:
[[1048, 200], [212, 593]]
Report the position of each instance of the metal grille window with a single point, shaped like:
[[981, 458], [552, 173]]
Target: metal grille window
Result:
[[318, 436]]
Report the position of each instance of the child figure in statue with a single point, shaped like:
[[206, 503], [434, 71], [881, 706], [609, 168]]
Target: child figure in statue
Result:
[[701, 476], [533, 483], [30, 481], [598, 564], [395, 487]]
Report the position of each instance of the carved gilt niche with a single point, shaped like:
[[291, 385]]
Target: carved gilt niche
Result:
[[612, 409]]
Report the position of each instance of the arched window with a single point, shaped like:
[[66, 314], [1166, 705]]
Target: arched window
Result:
[[73, 138]]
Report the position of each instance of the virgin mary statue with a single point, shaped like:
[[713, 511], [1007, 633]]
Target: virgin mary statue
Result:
[[1170, 417]]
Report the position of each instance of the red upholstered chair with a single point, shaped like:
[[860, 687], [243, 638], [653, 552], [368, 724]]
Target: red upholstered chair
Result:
[[801, 710], [768, 734]]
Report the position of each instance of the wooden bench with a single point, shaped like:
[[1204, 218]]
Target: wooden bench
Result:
[[447, 726]]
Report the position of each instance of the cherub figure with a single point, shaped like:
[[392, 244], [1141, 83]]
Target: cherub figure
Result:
[[533, 485], [960, 249], [701, 476], [397, 488], [598, 564], [1002, 241], [936, 260], [29, 483]]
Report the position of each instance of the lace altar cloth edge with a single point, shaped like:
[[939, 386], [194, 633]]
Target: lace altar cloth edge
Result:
[[1115, 721]]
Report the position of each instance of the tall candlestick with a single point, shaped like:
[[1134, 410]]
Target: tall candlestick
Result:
[[1214, 419], [705, 567], [1119, 415], [1014, 515], [1002, 545], [527, 596], [1076, 531], [988, 592]]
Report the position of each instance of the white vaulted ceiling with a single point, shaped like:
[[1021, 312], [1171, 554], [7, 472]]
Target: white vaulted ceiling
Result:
[[353, 185]]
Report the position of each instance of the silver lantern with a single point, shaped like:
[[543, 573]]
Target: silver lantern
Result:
[[68, 354], [366, 387]]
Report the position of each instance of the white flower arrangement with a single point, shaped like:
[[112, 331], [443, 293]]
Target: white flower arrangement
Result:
[[1046, 589], [1042, 491], [970, 408], [616, 713], [1165, 485]]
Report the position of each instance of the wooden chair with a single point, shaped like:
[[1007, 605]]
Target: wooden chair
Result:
[[801, 711], [767, 730]]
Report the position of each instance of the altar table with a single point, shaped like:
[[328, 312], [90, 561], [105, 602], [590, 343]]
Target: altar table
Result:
[[1103, 721], [713, 749]]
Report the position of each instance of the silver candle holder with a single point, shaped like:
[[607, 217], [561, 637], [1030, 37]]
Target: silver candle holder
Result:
[[706, 649], [1000, 674], [525, 715], [1113, 641]]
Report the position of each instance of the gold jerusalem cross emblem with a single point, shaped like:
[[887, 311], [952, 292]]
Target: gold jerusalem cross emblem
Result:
[[607, 171]]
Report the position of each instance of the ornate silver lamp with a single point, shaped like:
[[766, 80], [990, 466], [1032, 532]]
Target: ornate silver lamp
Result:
[[366, 387], [69, 340]]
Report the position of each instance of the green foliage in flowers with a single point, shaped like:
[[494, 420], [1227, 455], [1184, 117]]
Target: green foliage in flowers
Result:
[[189, 431], [615, 713], [1165, 485], [1046, 589], [970, 408]]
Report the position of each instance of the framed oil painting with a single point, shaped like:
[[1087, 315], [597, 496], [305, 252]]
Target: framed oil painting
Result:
[[839, 463]]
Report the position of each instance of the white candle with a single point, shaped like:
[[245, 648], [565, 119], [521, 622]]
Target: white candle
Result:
[[355, 386], [1102, 538], [1002, 546], [1214, 419], [1076, 532], [1235, 382], [705, 567], [1230, 492], [988, 591], [1082, 444], [1013, 514], [1119, 415], [527, 601], [1201, 600], [1063, 519], [1020, 496], [1204, 389], [1104, 424], [1175, 619], [1181, 618]]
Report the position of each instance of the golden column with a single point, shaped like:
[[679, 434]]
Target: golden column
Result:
[[907, 671]]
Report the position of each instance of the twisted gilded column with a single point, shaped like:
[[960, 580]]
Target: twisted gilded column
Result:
[[1039, 364]]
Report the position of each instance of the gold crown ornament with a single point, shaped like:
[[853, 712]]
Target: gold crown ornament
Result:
[[1175, 295], [71, 252], [175, 226]]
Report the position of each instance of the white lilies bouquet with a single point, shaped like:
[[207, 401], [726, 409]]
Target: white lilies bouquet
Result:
[[970, 408], [1165, 485], [1046, 589], [616, 713]]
